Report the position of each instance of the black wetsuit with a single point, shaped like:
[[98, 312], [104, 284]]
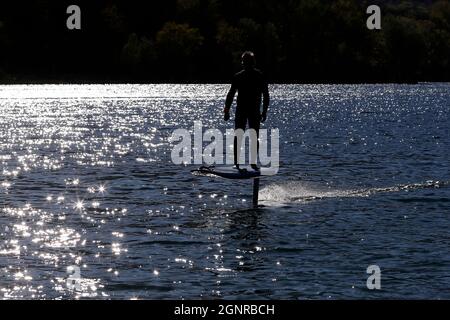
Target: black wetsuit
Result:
[[250, 85]]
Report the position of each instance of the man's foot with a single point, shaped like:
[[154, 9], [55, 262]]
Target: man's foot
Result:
[[255, 167], [237, 167]]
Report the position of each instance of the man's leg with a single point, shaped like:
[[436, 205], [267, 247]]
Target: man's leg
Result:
[[255, 123], [239, 123]]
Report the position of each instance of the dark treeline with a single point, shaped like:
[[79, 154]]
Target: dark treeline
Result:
[[201, 41]]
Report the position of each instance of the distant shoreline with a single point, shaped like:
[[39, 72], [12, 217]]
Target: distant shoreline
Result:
[[106, 82]]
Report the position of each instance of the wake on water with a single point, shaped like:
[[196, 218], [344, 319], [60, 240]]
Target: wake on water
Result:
[[299, 192]]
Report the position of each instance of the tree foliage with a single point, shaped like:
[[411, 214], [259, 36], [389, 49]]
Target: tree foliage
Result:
[[201, 40]]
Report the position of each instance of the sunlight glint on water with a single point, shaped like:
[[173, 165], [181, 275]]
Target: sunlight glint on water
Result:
[[86, 180]]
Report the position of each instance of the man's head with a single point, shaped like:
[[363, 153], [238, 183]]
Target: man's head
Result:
[[248, 60]]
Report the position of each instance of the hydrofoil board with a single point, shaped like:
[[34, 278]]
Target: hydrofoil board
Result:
[[231, 172]]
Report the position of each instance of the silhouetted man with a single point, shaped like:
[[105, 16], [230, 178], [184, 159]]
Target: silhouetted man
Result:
[[251, 86]]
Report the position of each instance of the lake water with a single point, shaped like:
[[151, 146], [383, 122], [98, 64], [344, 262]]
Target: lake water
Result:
[[86, 180]]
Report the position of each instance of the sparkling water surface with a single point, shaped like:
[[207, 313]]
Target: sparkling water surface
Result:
[[86, 180]]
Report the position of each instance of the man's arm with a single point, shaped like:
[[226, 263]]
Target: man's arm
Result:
[[229, 100], [266, 100]]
